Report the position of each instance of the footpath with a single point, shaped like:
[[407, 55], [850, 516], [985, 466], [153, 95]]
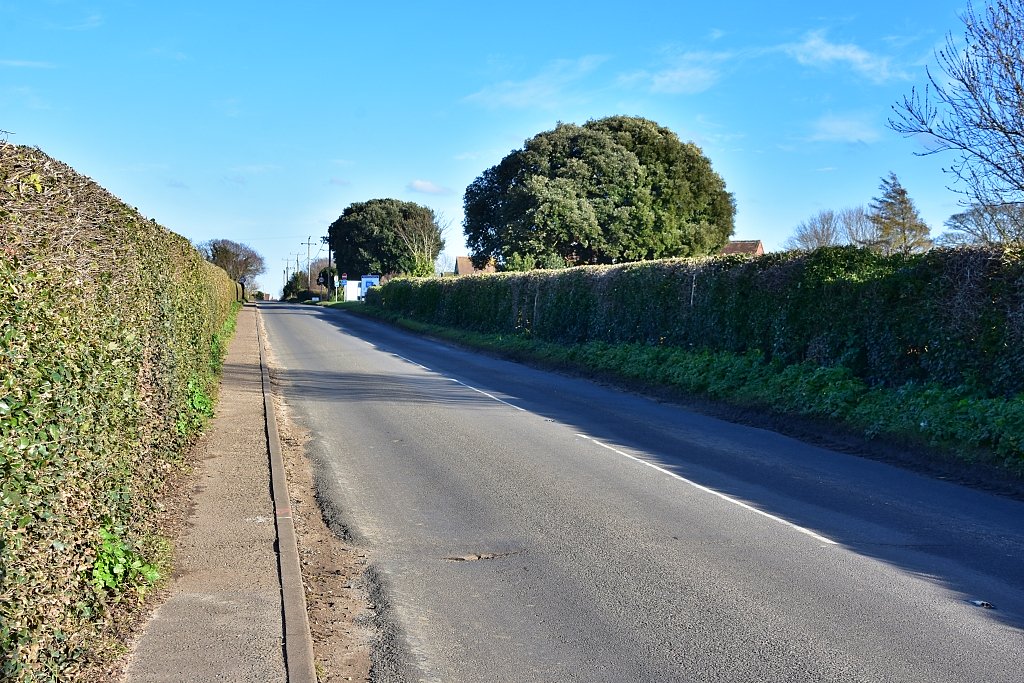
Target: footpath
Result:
[[235, 609]]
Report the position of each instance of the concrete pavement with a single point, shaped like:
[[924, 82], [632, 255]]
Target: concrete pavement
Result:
[[225, 618]]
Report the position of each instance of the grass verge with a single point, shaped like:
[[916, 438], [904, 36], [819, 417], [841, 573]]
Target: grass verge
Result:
[[954, 424]]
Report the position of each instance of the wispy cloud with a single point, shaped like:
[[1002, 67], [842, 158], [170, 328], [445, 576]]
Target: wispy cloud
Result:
[[339, 182], [26, 64], [817, 51], [687, 73], [254, 169], [176, 184], [231, 107], [846, 128], [28, 97], [550, 88], [173, 55], [427, 187], [93, 21]]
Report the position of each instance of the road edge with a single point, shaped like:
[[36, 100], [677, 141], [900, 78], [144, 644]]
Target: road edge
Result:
[[298, 641]]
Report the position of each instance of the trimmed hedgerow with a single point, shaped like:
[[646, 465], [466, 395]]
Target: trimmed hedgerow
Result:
[[950, 316], [109, 341], [927, 347]]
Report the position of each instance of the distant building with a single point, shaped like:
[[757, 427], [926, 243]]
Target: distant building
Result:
[[464, 266], [750, 247]]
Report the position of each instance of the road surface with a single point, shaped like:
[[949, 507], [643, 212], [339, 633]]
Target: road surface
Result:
[[527, 526]]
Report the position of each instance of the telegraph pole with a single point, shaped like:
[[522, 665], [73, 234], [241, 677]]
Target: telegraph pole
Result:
[[309, 262]]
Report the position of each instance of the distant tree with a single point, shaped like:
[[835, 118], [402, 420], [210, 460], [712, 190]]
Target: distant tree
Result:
[[820, 230], [386, 236], [613, 190], [900, 228], [975, 106], [240, 261], [297, 285], [858, 228], [832, 228], [987, 225], [445, 263]]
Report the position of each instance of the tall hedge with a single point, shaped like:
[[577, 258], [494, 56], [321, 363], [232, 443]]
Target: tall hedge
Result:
[[951, 316], [106, 326]]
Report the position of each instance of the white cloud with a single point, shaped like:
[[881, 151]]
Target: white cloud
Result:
[[427, 187], [231, 107], [816, 50], [173, 55], [26, 64], [340, 182], [91, 22], [547, 89], [685, 74], [28, 97], [254, 169], [848, 128]]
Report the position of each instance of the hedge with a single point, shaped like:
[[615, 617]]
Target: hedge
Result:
[[953, 317], [108, 350]]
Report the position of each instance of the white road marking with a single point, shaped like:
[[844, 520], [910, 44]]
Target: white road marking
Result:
[[452, 379], [692, 483], [713, 492]]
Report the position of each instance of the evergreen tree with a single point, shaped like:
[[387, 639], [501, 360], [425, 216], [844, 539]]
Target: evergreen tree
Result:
[[612, 190], [900, 229]]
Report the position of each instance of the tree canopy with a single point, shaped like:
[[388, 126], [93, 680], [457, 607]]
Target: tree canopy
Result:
[[239, 261], [975, 107], [386, 236], [900, 228], [612, 190]]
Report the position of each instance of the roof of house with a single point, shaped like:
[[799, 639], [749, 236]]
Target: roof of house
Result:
[[752, 247], [464, 266]]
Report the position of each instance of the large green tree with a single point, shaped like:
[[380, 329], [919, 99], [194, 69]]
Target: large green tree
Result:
[[900, 229], [613, 190], [386, 236]]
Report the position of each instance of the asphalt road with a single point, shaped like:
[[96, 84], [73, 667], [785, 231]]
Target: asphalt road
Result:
[[527, 526]]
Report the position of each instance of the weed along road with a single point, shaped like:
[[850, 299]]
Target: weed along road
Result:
[[527, 526]]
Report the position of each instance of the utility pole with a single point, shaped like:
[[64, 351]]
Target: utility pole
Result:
[[330, 285], [309, 262], [297, 268]]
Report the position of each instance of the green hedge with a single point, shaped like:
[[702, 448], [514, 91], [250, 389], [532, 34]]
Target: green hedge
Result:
[[954, 317], [109, 344]]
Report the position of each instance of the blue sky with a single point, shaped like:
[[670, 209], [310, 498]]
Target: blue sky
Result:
[[260, 122]]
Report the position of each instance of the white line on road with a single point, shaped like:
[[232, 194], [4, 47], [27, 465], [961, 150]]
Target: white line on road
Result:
[[713, 492], [452, 379]]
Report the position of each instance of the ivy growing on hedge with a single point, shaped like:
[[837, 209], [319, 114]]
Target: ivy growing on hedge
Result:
[[954, 317], [109, 330]]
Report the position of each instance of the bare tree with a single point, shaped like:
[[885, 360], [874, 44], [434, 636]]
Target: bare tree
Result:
[[858, 228], [975, 108], [820, 230], [987, 225], [240, 261], [851, 225], [422, 235]]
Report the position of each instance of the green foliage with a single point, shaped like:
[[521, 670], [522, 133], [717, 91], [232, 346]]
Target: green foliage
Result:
[[109, 330], [613, 190], [386, 236], [951, 419], [118, 566], [950, 316], [899, 227]]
